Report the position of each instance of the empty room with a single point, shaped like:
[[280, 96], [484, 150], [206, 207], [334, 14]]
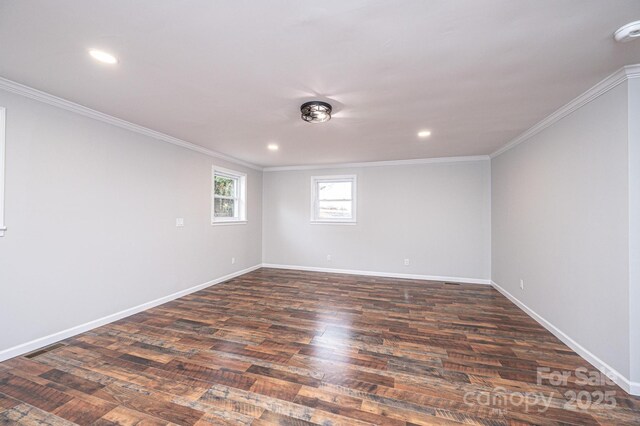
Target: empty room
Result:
[[344, 212]]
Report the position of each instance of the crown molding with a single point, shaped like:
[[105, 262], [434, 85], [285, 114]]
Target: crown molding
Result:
[[460, 159], [38, 95], [623, 74]]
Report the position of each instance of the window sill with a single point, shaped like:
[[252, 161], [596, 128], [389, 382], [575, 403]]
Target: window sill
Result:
[[331, 222], [229, 222]]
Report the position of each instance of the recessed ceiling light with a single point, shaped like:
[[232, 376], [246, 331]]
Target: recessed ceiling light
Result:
[[272, 147], [424, 133], [315, 112], [628, 32], [104, 57]]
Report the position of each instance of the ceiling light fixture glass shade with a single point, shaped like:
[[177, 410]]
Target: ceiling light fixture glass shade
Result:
[[315, 112]]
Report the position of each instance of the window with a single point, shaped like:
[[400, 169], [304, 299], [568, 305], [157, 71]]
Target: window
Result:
[[333, 199], [229, 197], [2, 140]]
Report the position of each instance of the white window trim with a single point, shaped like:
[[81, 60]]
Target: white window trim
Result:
[[314, 199], [242, 197], [2, 161]]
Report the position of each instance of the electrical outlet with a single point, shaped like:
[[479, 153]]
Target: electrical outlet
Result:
[[233, 260], [328, 258], [521, 284], [406, 262], [179, 222]]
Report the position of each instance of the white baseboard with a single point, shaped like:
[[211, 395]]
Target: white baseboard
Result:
[[380, 274], [630, 387], [64, 334]]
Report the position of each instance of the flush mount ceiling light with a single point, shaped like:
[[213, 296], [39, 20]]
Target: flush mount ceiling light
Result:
[[315, 112], [272, 147], [628, 32], [103, 57], [424, 133]]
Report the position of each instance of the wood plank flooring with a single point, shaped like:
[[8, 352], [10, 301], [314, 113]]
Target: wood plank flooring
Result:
[[301, 348]]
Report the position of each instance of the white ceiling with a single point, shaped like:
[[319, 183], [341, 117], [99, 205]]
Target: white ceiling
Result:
[[231, 75]]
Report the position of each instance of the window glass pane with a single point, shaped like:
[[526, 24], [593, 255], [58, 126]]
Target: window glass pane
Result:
[[334, 190], [224, 207], [334, 210], [225, 186]]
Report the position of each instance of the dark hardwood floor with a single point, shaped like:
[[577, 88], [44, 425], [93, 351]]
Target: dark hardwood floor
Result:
[[301, 348]]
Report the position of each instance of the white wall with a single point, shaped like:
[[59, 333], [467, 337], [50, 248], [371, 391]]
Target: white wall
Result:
[[437, 215], [560, 215], [90, 211], [634, 228]]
